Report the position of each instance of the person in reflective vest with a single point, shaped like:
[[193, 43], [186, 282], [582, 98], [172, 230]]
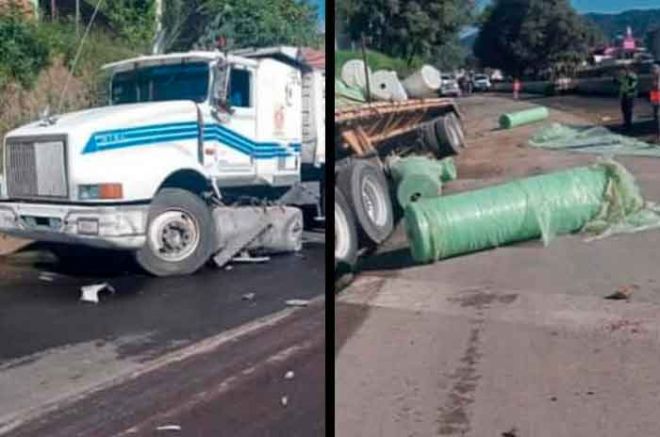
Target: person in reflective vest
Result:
[[627, 92], [655, 101]]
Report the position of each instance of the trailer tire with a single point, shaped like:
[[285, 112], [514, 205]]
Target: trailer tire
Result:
[[346, 244], [365, 187], [431, 141], [460, 128], [180, 234], [450, 133]]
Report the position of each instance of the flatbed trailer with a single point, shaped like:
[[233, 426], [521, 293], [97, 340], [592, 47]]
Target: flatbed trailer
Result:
[[366, 137]]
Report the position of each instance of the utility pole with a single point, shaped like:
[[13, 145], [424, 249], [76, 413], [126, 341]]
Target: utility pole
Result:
[[78, 18], [158, 40]]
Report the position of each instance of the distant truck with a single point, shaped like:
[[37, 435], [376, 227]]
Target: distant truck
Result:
[[366, 136], [162, 169]]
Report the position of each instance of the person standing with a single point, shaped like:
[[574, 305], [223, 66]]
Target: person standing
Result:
[[655, 101], [628, 83], [516, 88]]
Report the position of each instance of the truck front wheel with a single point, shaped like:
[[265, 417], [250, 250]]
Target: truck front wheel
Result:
[[180, 234]]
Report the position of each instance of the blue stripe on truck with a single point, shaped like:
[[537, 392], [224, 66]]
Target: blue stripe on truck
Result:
[[163, 133]]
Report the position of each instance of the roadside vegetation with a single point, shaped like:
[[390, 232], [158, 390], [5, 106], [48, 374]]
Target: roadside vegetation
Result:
[[36, 56], [408, 31], [525, 38]]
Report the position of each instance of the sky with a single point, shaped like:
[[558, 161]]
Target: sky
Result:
[[607, 6], [320, 6]]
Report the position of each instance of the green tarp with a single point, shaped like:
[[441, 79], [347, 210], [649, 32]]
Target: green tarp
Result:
[[590, 139]]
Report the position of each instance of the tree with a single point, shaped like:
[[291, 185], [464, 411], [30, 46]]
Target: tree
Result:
[[133, 20], [244, 23], [450, 56], [407, 28], [530, 36], [23, 53]]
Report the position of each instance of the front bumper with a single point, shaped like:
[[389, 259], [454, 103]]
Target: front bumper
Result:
[[114, 227]]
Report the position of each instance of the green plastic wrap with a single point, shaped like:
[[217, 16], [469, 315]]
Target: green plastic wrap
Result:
[[418, 177], [590, 139], [514, 119], [601, 199], [347, 96]]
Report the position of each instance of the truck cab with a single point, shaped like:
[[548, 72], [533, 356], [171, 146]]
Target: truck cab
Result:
[[193, 124]]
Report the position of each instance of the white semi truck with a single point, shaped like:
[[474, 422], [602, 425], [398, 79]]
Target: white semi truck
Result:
[[162, 169]]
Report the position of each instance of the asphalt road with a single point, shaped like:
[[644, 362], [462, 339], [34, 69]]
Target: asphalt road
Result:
[[516, 341], [55, 349]]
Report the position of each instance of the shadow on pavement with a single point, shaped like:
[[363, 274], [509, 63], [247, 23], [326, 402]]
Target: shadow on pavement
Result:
[[392, 260]]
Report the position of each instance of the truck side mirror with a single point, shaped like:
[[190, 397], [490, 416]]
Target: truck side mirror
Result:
[[220, 94]]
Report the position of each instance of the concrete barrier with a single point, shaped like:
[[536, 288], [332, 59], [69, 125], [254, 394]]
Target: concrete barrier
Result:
[[602, 86]]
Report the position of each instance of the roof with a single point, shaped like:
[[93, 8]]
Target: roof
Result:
[[313, 58], [306, 56], [171, 58]]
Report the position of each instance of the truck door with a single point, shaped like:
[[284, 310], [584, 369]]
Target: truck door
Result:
[[230, 128]]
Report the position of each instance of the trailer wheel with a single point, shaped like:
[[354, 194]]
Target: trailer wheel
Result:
[[431, 142], [365, 188], [180, 234], [449, 130], [458, 126], [346, 245]]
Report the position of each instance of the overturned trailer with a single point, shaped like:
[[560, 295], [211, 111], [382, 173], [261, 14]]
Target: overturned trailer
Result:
[[367, 135]]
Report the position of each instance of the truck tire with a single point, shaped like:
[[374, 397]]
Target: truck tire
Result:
[[431, 141], [450, 133], [365, 189], [180, 234], [346, 244], [460, 129]]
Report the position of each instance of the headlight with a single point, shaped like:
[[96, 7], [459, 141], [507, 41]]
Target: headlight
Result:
[[100, 192]]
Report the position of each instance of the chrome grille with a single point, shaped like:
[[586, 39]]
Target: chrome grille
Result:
[[36, 169]]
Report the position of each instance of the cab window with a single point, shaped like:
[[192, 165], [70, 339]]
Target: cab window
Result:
[[240, 88]]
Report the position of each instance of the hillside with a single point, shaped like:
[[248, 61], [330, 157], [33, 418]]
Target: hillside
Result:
[[640, 21]]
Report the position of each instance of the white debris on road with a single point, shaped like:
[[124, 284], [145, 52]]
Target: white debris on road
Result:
[[285, 401], [90, 293], [297, 302], [47, 276], [169, 428]]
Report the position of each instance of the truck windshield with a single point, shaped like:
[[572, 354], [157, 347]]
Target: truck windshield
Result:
[[162, 83]]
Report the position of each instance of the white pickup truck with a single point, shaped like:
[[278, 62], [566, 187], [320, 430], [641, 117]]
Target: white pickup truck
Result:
[[153, 172]]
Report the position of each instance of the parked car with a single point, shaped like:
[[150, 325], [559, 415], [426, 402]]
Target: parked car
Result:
[[449, 86], [481, 82]]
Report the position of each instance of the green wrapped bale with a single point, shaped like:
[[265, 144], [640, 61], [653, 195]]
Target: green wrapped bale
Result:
[[419, 177], [348, 96], [515, 119], [597, 198]]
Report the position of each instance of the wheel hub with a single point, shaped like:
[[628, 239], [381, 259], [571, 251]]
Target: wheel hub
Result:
[[373, 202], [174, 235]]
